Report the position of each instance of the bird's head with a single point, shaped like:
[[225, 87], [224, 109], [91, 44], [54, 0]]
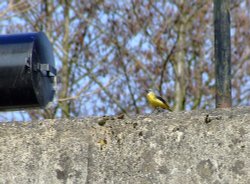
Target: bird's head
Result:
[[148, 90]]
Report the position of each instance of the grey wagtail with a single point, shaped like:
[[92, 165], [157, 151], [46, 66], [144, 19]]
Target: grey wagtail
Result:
[[157, 101]]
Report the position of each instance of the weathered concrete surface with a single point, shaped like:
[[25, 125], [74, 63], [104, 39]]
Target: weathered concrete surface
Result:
[[188, 147]]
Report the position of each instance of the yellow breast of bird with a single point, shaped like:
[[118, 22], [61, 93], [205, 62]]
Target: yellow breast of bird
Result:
[[155, 102]]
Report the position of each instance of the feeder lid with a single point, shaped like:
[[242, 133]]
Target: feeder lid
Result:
[[43, 69]]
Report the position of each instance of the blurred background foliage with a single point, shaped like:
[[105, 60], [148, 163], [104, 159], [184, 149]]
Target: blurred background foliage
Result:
[[108, 51]]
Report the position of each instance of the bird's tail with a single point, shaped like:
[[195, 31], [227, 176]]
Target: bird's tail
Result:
[[168, 108]]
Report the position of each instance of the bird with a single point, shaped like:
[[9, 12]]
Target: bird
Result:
[[156, 101]]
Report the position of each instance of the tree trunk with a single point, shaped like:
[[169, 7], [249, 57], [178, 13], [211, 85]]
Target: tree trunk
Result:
[[222, 53], [180, 72]]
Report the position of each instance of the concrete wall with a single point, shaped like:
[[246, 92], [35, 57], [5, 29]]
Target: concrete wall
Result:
[[187, 147]]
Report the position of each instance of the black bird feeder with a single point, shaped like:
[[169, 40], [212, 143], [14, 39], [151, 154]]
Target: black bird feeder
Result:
[[27, 71]]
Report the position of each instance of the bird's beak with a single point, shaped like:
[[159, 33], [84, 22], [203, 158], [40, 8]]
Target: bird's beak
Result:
[[146, 90]]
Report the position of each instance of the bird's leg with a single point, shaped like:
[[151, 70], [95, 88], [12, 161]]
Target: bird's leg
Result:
[[158, 110]]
